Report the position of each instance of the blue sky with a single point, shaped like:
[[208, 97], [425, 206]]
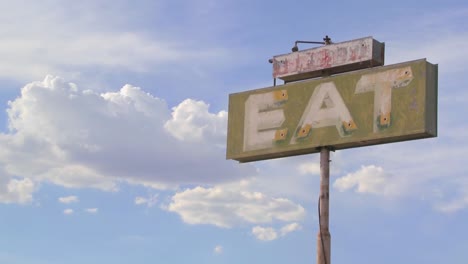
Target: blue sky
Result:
[[112, 148]]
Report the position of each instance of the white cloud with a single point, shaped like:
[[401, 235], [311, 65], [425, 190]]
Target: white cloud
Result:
[[77, 176], [92, 210], [309, 168], [370, 179], [225, 207], [191, 121], [218, 250], [78, 138], [150, 201], [269, 233], [264, 233], [68, 199], [412, 170], [290, 228], [68, 211], [16, 190], [78, 35]]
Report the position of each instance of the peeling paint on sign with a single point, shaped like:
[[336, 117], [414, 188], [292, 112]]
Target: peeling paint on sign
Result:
[[340, 57], [381, 84], [374, 106]]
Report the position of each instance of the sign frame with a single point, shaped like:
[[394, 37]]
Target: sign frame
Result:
[[423, 84], [330, 59]]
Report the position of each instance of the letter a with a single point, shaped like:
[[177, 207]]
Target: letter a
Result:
[[325, 108]]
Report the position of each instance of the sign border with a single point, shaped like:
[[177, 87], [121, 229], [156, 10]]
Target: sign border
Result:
[[429, 130]]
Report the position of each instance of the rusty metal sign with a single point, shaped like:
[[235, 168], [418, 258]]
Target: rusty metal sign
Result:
[[360, 108], [334, 58]]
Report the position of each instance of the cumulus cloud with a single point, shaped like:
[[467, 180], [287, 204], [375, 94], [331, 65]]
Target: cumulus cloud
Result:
[[290, 228], [371, 179], [264, 233], [191, 121], [269, 233], [68, 199], [68, 211], [309, 168], [78, 138], [16, 190], [225, 207]]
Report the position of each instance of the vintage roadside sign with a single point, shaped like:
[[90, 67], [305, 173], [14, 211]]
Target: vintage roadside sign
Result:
[[366, 107], [334, 58]]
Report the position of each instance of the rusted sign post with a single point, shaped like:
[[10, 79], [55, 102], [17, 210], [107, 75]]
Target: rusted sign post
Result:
[[324, 236], [362, 105]]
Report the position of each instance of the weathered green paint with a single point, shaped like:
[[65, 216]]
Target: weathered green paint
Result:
[[413, 114]]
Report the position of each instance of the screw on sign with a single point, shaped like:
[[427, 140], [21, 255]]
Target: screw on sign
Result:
[[360, 108]]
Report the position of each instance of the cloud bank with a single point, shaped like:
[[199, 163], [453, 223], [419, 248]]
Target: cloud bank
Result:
[[227, 207], [77, 138], [68, 39]]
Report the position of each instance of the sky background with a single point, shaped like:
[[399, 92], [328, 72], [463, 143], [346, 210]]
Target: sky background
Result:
[[113, 131]]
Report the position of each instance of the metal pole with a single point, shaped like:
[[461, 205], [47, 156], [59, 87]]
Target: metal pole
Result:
[[323, 236]]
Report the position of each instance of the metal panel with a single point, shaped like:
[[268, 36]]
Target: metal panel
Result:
[[366, 107], [330, 59]]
